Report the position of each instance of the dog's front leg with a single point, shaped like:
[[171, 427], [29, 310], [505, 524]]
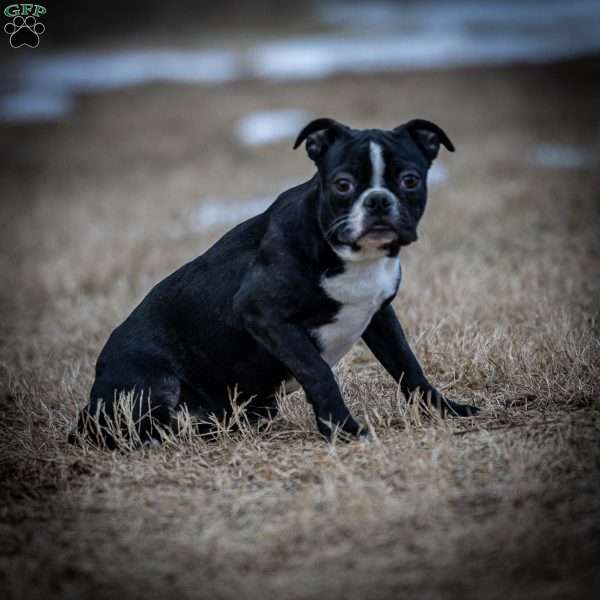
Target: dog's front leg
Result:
[[385, 338], [293, 347]]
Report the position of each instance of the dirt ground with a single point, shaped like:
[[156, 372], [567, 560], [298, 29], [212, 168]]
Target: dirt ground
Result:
[[500, 299]]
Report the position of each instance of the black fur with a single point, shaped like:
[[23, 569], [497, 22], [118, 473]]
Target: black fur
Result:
[[242, 314]]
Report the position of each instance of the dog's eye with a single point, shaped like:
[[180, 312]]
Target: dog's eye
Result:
[[343, 186], [410, 181]]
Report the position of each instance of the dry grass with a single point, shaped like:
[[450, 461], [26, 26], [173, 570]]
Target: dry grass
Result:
[[500, 298]]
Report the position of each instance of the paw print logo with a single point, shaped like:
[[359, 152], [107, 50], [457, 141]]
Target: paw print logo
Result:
[[24, 31]]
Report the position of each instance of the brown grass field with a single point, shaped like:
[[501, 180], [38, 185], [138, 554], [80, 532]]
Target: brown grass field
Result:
[[500, 299]]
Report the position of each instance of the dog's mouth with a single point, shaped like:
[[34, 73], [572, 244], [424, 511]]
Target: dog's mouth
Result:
[[380, 234], [380, 230], [384, 233]]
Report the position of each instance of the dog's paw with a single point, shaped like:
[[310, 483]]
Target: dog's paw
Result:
[[24, 31], [346, 430], [458, 410], [432, 399], [365, 436]]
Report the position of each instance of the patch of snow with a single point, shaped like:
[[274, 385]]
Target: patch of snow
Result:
[[438, 174], [367, 37], [317, 57], [219, 214], [455, 15], [97, 71], [561, 156], [47, 84], [39, 105], [269, 126]]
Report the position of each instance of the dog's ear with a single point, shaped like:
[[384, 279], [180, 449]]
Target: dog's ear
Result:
[[320, 135], [428, 136]]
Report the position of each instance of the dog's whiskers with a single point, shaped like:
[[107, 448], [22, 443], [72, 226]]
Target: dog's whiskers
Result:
[[336, 224]]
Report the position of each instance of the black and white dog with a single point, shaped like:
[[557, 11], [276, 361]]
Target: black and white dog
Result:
[[283, 297]]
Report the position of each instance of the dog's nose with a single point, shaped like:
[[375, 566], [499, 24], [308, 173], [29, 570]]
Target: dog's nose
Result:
[[378, 202]]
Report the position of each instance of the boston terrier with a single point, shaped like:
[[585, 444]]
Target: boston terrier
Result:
[[282, 297]]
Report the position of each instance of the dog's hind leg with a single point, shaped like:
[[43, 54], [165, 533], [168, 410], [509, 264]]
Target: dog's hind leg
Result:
[[140, 412], [155, 412], [204, 409]]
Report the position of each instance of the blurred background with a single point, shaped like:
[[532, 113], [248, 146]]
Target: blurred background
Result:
[[86, 48], [133, 134], [202, 97], [153, 86]]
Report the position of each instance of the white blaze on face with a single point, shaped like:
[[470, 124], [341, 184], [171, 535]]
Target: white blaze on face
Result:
[[369, 248], [373, 247], [377, 165]]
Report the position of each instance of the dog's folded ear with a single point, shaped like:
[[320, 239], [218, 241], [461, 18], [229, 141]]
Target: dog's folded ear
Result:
[[428, 136], [320, 135]]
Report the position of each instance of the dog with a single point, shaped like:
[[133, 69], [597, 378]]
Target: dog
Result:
[[283, 296]]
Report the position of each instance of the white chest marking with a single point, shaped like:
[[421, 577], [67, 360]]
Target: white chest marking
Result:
[[361, 290]]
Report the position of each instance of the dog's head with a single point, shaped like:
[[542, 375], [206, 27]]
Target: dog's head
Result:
[[373, 182]]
